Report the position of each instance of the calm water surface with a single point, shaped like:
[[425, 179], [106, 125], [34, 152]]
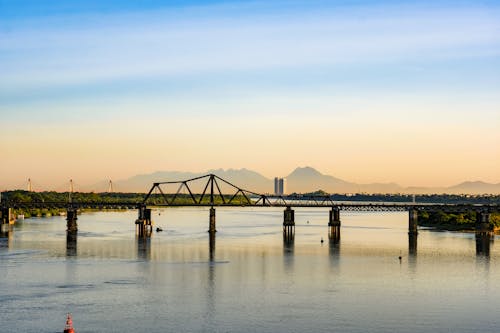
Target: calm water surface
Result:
[[247, 279]]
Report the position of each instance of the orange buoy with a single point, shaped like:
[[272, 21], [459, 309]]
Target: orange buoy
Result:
[[69, 325]]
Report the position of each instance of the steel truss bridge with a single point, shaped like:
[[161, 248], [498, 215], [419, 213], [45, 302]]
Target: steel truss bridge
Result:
[[213, 191]]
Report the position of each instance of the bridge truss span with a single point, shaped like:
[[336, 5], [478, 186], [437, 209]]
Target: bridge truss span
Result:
[[208, 190], [211, 190]]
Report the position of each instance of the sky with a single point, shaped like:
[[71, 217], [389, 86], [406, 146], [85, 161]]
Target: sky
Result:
[[366, 91]]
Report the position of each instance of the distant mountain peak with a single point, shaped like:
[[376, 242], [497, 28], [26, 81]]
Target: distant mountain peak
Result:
[[301, 180], [306, 171], [475, 182]]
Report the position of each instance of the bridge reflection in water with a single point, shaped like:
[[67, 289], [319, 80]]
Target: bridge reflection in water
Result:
[[144, 250], [143, 247], [71, 243], [211, 246], [483, 243], [412, 244], [6, 239], [288, 251], [168, 247]]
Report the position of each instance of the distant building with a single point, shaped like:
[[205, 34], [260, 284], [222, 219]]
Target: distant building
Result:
[[279, 186], [282, 186]]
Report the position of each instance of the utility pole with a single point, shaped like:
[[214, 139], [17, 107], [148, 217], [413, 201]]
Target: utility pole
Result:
[[110, 186], [70, 190], [30, 188]]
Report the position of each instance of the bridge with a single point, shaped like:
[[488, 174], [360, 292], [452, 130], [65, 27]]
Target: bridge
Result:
[[213, 191]]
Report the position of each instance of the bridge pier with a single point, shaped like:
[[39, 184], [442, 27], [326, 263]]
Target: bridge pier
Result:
[[144, 226], [483, 223], [6, 219], [288, 224], [71, 218], [211, 225], [484, 233], [334, 224], [413, 221]]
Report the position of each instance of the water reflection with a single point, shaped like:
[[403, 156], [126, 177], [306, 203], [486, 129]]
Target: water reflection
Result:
[[143, 247], [71, 246], [211, 285], [483, 241], [211, 246], [412, 244], [6, 239], [334, 251], [210, 311], [288, 250]]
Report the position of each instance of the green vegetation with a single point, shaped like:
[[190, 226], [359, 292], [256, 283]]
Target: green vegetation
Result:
[[454, 222], [113, 200], [19, 196], [419, 198], [38, 212]]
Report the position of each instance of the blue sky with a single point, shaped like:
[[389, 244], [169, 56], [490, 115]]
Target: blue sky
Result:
[[373, 70]]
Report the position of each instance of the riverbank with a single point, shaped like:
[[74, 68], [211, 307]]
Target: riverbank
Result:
[[49, 212]]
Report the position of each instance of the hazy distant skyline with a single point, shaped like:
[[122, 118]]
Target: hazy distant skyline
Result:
[[387, 92]]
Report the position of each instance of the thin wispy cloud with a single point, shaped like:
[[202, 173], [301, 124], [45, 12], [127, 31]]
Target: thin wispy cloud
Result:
[[394, 85], [156, 45]]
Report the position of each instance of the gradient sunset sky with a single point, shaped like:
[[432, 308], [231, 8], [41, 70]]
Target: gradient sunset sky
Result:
[[388, 91]]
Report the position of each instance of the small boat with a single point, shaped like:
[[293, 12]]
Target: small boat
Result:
[[69, 325], [159, 229]]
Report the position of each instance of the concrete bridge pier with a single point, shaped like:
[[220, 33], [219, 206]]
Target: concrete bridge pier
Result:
[[71, 218], [6, 219], [211, 225], [484, 233], [413, 221], [288, 224], [144, 226], [483, 223], [211, 234], [334, 224]]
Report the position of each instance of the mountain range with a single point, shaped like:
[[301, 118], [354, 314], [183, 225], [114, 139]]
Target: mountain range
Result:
[[301, 180]]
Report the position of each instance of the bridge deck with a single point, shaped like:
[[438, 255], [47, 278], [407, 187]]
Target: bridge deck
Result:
[[346, 206]]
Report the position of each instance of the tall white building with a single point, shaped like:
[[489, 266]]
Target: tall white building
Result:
[[282, 186], [279, 186]]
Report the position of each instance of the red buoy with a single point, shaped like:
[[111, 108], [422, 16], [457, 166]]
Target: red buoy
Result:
[[69, 325]]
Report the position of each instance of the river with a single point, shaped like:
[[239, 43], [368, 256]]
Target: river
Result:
[[247, 279]]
